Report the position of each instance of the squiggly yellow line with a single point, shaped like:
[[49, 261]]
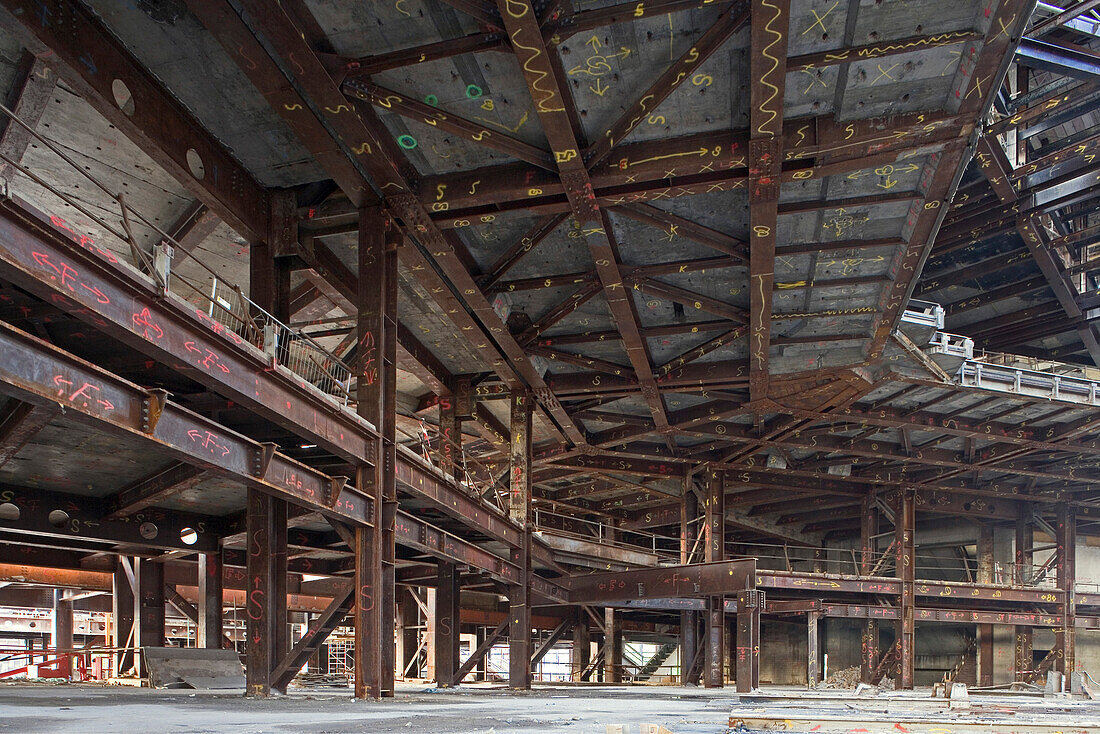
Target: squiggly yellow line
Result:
[[775, 65], [760, 357], [548, 94]]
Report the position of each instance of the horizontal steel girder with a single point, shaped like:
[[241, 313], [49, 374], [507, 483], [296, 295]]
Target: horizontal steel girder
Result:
[[695, 580], [43, 255], [40, 373]]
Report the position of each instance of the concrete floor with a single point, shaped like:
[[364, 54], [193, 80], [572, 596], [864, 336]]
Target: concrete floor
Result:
[[80, 709]]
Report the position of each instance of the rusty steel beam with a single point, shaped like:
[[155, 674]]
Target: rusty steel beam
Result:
[[159, 485], [730, 21], [354, 69], [421, 112], [552, 100], [83, 522], [768, 43], [694, 580], [39, 253], [94, 64], [40, 373]]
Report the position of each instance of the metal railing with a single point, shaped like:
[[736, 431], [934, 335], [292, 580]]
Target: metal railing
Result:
[[224, 304]]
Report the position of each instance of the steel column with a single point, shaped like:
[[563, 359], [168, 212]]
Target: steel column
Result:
[[1024, 658], [715, 642], [612, 647], [210, 573], [1066, 540], [375, 367], [582, 645], [813, 649], [748, 641], [447, 624], [266, 586], [519, 497], [519, 610], [122, 613], [904, 527], [63, 631], [715, 509], [150, 607], [450, 437], [985, 631], [869, 649], [408, 633]]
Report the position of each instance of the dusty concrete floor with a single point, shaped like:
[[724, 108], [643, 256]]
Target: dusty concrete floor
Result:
[[77, 709]]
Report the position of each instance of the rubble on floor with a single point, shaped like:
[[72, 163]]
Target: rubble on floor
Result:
[[848, 679]]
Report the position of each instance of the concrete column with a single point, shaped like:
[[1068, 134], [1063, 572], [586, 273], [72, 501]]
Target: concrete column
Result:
[[446, 623], [210, 630], [63, 632]]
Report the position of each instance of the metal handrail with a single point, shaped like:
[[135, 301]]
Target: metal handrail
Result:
[[290, 347]]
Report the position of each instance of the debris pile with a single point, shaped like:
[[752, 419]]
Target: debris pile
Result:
[[848, 678]]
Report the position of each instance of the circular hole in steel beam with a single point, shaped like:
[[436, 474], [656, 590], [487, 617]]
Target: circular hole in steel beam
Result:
[[189, 536], [123, 97], [148, 530], [58, 518], [195, 164], [9, 512]]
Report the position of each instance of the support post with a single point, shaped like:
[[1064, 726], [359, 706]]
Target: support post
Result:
[[150, 628], [63, 632], [813, 643], [450, 437], [868, 529], [446, 624], [265, 606], [409, 633], [1024, 658], [376, 386], [715, 519], [210, 630], [689, 620], [582, 645], [612, 646], [715, 509], [748, 641], [904, 536], [1065, 639], [123, 615], [713, 674], [985, 631], [519, 509]]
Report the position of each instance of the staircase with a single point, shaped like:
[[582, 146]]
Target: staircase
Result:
[[655, 662]]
